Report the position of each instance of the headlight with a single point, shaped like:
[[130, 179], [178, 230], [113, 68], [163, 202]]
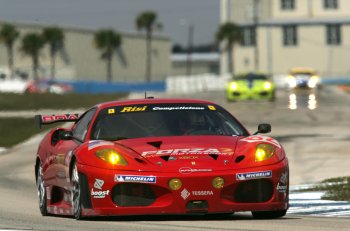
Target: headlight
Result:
[[264, 152], [292, 82], [175, 184], [233, 86], [267, 85], [111, 156]]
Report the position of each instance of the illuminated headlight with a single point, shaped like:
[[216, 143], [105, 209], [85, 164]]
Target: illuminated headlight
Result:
[[267, 85], [264, 152], [292, 82], [313, 81], [175, 184], [111, 156], [233, 86], [218, 182]]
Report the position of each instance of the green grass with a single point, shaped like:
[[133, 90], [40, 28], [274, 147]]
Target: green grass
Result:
[[16, 130], [337, 189], [53, 101]]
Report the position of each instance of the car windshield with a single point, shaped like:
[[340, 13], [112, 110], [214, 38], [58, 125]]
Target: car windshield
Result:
[[153, 120], [251, 77]]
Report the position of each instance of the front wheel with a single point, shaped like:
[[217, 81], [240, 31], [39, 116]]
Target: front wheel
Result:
[[41, 191], [76, 193], [269, 214]]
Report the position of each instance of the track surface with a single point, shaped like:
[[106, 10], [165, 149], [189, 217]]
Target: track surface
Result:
[[316, 142]]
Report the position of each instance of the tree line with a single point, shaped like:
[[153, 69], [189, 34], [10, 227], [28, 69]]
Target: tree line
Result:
[[105, 40]]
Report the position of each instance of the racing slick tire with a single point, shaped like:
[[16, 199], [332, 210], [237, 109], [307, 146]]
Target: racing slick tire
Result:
[[40, 184], [269, 214], [76, 193]]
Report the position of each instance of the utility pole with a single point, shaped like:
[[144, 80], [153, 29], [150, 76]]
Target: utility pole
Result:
[[255, 26], [225, 8]]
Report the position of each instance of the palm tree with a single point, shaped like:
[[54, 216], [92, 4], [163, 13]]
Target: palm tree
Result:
[[8, 35], [54, 37], [147, 20], [32, 43], [107, 41], [231, 34]]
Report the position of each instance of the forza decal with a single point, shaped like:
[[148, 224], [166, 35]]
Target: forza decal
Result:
[[253, 175], [97, 143], [253, 139], [133, 109], [188, 151], [185, 193], [177, 108], [98, 184], [187, 170], [138, 179], [99, 194]]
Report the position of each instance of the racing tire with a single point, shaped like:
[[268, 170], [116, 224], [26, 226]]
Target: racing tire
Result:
[[269, 214], [40, 184], [76, 193]]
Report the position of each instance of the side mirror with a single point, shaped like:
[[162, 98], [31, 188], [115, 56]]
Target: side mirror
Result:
[[263, 128], [66, 135]]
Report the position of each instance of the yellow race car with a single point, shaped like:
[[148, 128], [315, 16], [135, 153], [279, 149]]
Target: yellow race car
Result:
[[251, 86], [303, 77]]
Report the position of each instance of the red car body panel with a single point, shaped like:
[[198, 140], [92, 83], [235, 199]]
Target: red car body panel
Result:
[[153, 161]]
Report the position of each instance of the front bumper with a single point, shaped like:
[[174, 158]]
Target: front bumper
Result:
[[197, 195], [250, 94]]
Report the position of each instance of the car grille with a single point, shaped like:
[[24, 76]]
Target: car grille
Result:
[[253, 191], [133, 194]]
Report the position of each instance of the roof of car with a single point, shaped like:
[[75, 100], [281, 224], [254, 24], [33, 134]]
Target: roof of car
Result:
[[302, 69], [152, 101]]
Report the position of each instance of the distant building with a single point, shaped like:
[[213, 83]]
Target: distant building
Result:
[[198, 63], [82, 61], [290, 33]]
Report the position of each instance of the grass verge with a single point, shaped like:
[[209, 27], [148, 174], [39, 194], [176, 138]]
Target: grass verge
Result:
[[16, 130], [53, 101], [337, 189]]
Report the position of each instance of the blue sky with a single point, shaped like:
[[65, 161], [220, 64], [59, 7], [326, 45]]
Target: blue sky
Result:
[[175, 15]]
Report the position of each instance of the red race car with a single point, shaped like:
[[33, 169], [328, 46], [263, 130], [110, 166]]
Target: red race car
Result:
[[159, 156]]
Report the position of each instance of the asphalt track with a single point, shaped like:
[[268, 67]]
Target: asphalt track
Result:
[[316, 142]]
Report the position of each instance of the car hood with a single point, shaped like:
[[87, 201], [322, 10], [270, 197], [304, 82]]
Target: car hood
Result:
[[185, 154]]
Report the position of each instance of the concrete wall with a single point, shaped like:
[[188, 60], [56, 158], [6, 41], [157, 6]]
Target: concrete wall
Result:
[[82, 60]]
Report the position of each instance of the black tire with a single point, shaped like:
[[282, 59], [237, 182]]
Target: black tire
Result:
[[76, 193], [40, 185], [269, 214]]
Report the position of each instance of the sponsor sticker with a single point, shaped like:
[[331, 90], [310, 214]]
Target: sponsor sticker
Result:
[[98, 184], [111, 111], [266, 139], [185, 193], [177, 108], [187, 170], [97, 143], [133, 109], [281, 188], [138, 179], [99, 194], [253, 175], [190, 151], [211, 108]]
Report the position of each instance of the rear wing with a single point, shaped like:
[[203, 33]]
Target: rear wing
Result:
[[50, 119]]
